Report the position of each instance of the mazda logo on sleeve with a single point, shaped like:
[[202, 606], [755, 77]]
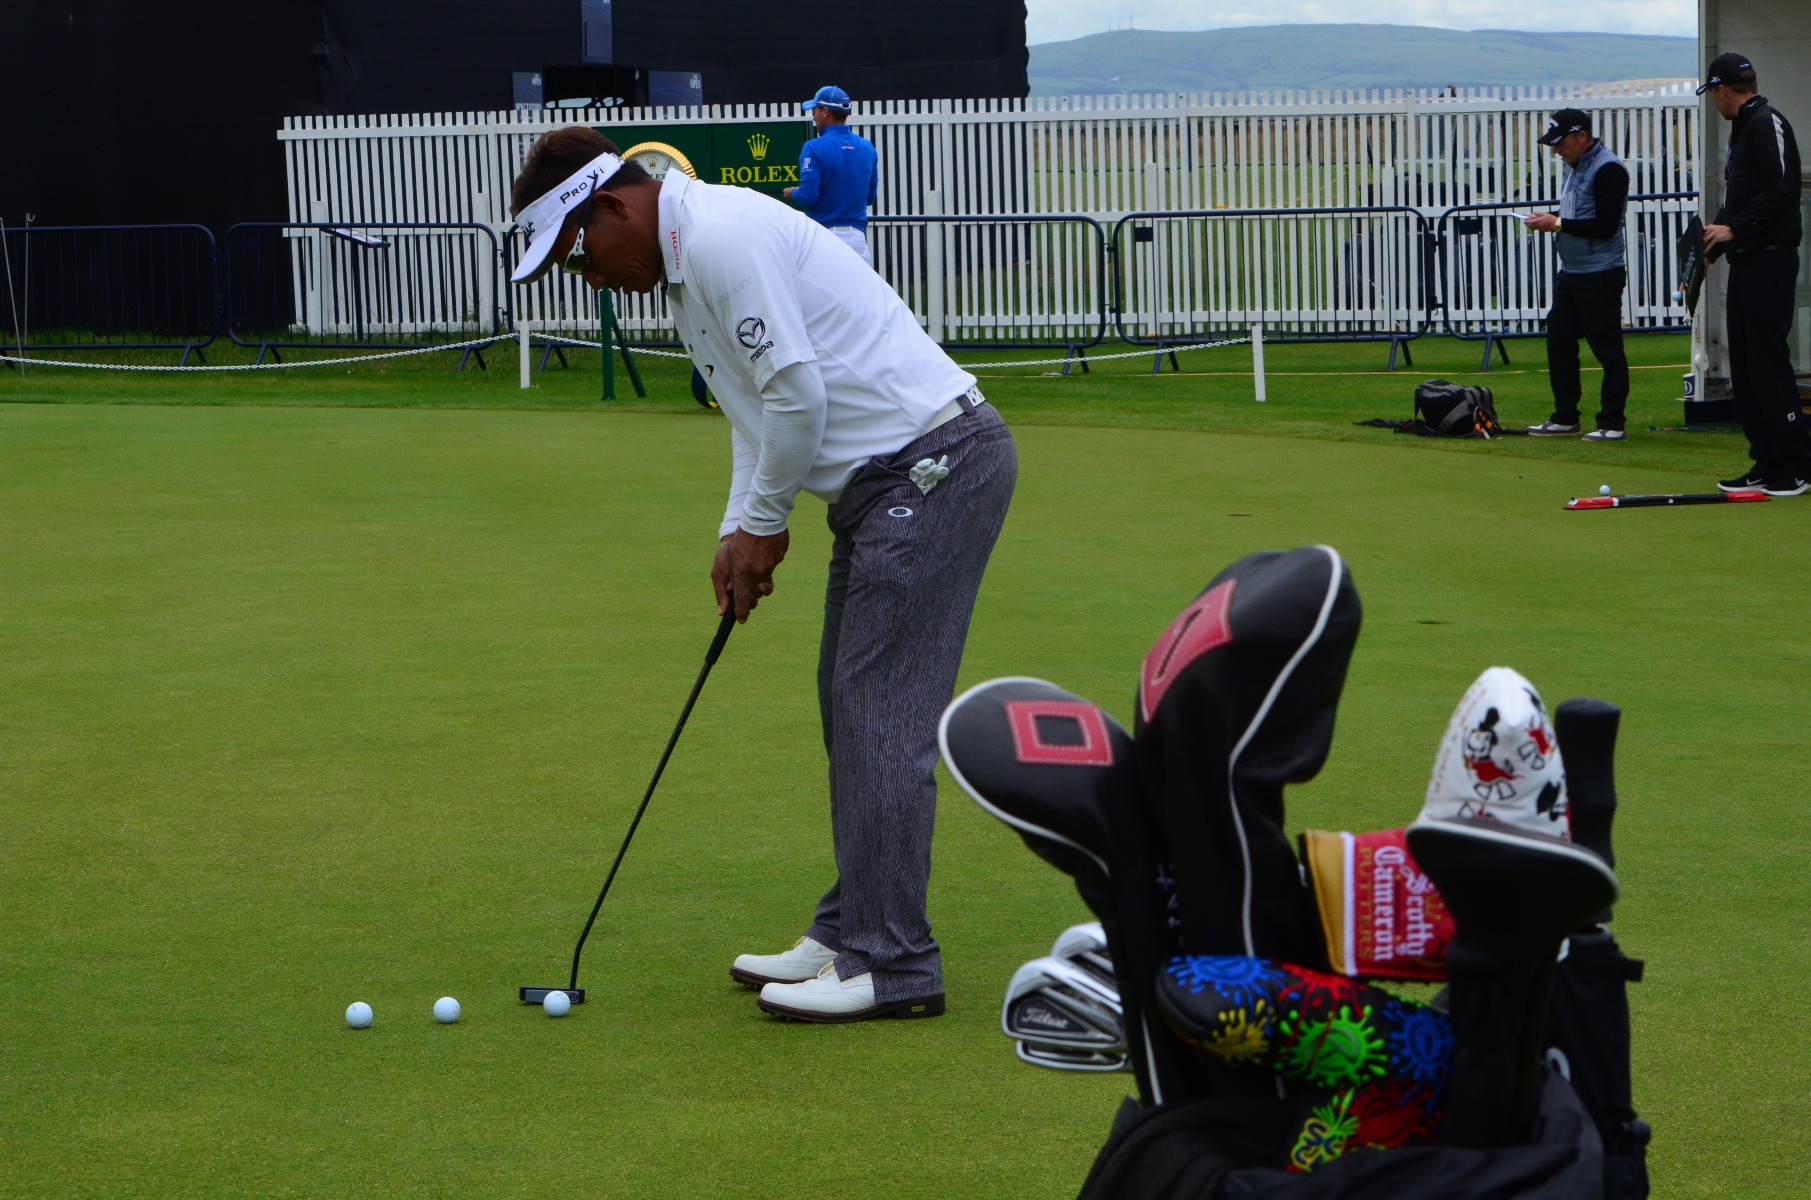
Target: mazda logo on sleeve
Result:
[[749, 331]]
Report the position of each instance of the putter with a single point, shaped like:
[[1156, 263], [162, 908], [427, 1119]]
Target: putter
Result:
[[535, 995], [1666, 501]]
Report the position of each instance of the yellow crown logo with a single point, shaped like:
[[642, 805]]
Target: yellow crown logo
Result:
[[757, 146]]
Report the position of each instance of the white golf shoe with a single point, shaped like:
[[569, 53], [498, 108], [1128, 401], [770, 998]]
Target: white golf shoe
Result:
[[802, 962], [829, 1000]]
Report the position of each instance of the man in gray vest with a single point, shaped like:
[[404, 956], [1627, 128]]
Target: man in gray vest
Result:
[[1587, 292]]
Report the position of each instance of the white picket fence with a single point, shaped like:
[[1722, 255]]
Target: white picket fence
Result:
[[985, 278]]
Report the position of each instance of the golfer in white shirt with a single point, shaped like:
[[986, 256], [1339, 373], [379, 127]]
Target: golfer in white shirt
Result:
[[830, 387]]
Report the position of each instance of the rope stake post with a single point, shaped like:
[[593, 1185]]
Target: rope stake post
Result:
[[1257, 360], [522, 336], [606, 317]]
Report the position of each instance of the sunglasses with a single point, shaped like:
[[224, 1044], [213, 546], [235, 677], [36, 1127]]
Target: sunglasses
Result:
[[577, 261]]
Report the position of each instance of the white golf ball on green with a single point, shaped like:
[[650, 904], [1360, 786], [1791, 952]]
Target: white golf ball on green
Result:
[[358, 1015], [557, 1004], [1604, 490], [446, 1010]]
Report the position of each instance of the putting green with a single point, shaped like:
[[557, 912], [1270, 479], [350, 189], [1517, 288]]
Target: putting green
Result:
[[307, 705]]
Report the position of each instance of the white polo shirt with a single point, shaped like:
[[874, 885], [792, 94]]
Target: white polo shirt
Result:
[[755, 286]]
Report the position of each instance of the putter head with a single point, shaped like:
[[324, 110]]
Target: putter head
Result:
[[1056, 1004], [1065, 1059], [535, 995]]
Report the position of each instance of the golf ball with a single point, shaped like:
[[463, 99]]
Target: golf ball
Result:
[[557, 1004], [446, 1010], [1604, 490], [358, 1015]]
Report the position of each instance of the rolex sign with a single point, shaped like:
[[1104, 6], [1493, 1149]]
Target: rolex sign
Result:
[[763, 156]]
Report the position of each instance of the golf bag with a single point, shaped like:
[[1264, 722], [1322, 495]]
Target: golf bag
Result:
[[1175, 839]]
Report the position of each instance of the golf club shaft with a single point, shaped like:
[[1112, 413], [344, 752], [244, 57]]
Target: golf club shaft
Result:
[[723, 627]]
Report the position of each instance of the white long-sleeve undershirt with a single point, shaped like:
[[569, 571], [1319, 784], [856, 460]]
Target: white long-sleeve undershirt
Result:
[[764, 484]]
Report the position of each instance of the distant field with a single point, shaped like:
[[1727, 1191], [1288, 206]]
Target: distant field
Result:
[[342, 683], [1309, 57]]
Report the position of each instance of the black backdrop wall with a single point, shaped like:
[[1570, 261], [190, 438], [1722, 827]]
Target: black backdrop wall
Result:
[[141, 111]]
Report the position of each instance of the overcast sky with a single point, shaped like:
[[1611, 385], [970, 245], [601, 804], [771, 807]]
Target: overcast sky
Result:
[[1061, 20]]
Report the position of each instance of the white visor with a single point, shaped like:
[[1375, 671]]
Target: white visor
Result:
[[542, 220]]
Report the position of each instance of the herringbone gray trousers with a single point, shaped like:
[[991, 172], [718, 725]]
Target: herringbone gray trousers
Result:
[[903, 576]]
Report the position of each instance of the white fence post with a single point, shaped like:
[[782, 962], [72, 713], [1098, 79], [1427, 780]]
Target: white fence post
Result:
[[1257, 360], [522, 337], [1151, 200], [314, 319], [933, 265]]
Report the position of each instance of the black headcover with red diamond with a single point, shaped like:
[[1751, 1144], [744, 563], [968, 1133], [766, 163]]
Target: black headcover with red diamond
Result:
[[1235, 700], [1061, 771], [1048, 763]]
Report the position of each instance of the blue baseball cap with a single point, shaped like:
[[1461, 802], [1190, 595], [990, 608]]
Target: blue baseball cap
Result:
[[833, 98]]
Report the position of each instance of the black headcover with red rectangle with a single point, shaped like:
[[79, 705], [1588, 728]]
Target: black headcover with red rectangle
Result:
[[1235, 700], [1061, 771]]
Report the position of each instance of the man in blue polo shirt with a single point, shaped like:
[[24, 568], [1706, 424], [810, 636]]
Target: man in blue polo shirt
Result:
[[839, 173]]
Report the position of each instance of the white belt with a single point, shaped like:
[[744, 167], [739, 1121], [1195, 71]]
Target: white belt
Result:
[[954, 409]]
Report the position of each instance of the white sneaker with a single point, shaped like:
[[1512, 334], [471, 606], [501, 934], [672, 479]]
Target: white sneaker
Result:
[[802, 962], [827, 1000]]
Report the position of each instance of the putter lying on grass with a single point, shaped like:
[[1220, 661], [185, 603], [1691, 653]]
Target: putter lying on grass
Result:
[[1666, 501], [535, 995]]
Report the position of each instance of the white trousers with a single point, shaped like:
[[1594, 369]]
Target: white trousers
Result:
[[856, 240]]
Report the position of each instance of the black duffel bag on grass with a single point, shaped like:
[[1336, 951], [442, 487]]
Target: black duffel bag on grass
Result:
[[1447, 409], [1455, 410]]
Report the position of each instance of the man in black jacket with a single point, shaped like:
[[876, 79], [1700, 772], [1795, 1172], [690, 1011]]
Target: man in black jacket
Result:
[[1758, 229]]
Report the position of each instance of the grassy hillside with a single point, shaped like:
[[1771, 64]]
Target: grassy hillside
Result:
[[1342, 56]]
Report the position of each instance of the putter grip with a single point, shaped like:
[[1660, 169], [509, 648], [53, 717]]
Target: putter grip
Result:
[[723, 627], [1587, 738]]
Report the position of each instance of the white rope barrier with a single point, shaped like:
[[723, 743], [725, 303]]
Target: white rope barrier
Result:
[[560, 340], [274, 366], [1147, 352]]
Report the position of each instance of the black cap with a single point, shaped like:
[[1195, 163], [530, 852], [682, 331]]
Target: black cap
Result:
[[1727, 68], [1566, 120]]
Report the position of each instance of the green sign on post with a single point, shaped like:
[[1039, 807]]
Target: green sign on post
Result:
[[763, 156]]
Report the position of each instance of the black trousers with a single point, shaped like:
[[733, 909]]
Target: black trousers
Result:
[[1587, 306], [1760, 310]]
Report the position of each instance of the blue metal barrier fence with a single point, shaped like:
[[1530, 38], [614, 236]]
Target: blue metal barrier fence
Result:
[[361, 285], [109, 287]]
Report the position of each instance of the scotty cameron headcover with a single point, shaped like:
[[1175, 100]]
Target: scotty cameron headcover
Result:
[[1236, 699], [1048, 763], [1381, 915], [1500, 759]]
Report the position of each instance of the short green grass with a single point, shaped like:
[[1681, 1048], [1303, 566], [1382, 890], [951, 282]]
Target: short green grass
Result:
[[342, 683]]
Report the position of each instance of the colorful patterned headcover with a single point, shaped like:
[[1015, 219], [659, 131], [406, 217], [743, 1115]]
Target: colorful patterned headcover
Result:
[[1379, 1063]]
